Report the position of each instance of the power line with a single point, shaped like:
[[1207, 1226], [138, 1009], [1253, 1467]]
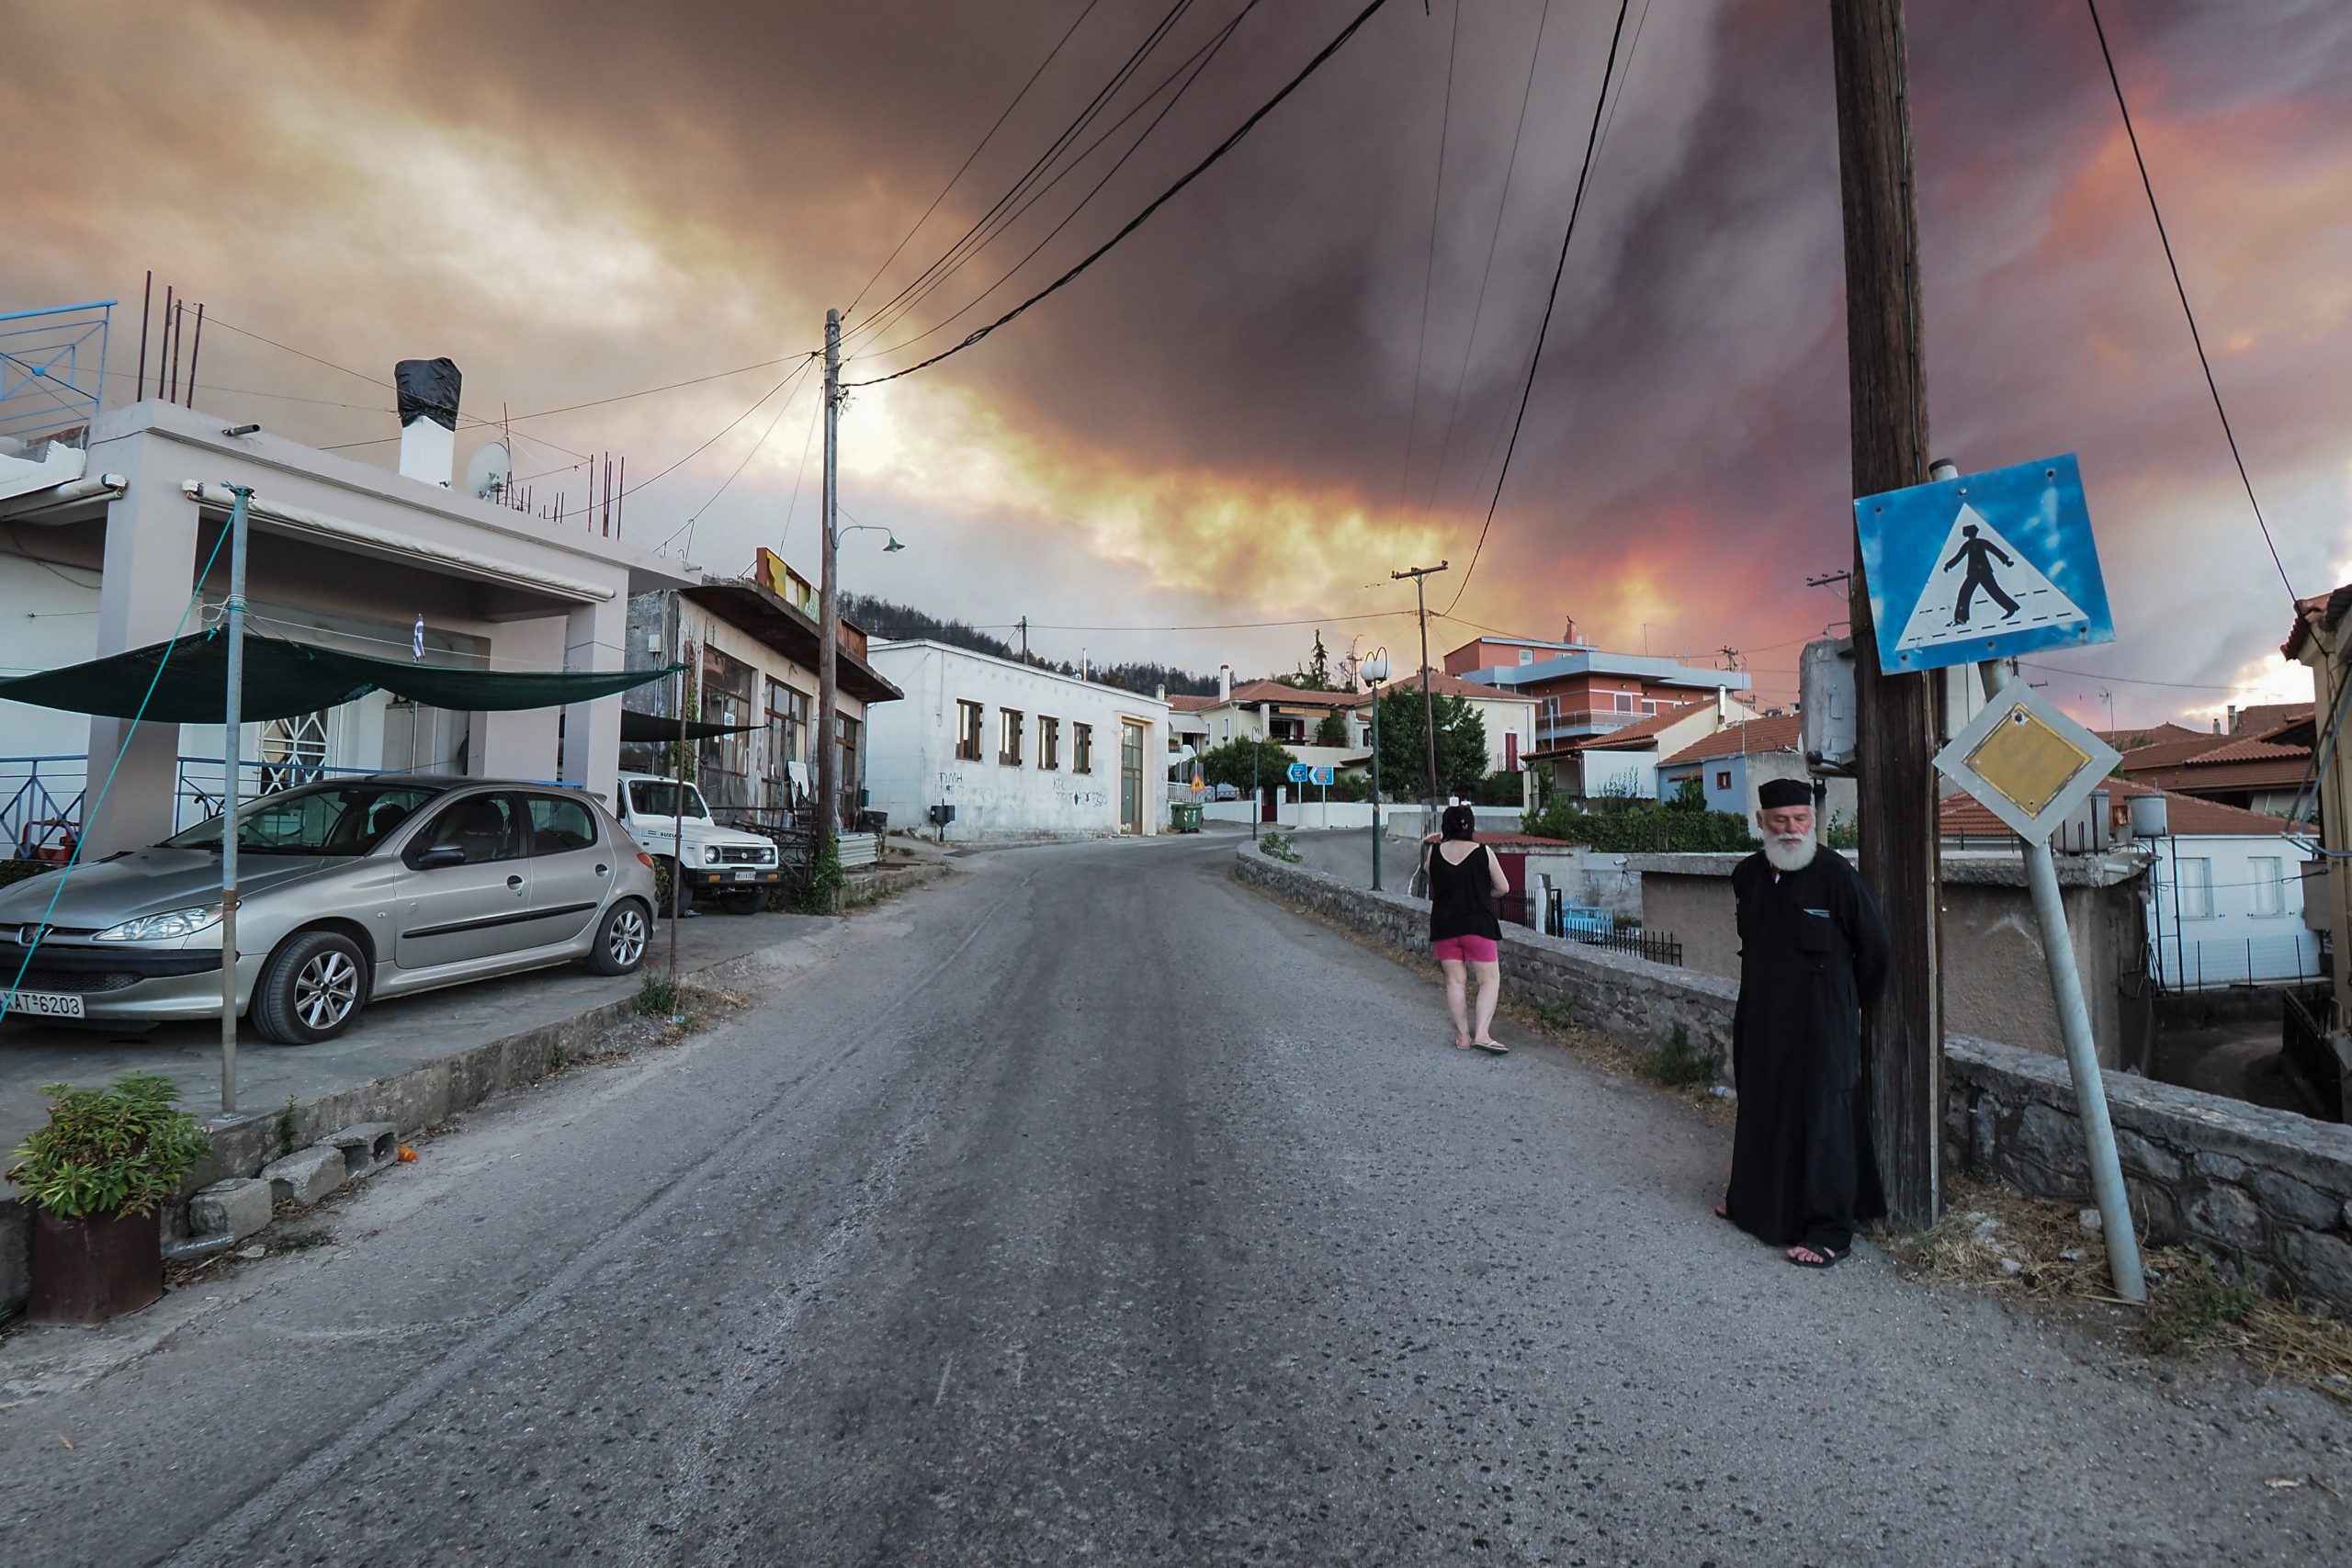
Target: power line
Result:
[[986, 228], [1478, 311], [1428, 264], [1137, 221], [961, 168], [1197, 62], [1592, 141], [581, 511], [782, 408], [2178, 287]]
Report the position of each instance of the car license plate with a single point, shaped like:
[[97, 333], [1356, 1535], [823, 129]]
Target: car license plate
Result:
[[46, 1004], [742, 876]]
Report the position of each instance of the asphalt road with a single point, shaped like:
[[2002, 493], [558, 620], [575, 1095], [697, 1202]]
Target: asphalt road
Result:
[[1089, 1209]]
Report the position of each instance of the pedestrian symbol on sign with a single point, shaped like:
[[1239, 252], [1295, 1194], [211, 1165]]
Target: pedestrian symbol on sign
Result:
[[1983, 566], [1979, 573]]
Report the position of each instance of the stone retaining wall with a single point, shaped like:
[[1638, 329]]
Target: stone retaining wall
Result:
[[1610, 991], [2265, 1192]]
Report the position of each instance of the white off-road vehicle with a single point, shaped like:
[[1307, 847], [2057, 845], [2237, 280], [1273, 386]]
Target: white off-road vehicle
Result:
[[736, 868]]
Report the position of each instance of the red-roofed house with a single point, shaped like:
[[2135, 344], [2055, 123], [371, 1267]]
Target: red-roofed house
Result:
[[1624, 761], [1732, 762], [2254, 772], [2227, 907]]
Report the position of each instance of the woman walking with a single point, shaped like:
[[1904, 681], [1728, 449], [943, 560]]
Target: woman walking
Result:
[[1464, 882]]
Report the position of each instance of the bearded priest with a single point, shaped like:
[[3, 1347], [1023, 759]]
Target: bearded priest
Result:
[[1812, 945]]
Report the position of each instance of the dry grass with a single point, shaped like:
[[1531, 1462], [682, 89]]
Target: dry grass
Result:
[[1994, 1239]]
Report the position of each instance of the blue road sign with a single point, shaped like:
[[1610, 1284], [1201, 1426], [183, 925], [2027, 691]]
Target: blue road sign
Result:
[[1298, 772], [1983, 567], [1322, 776]]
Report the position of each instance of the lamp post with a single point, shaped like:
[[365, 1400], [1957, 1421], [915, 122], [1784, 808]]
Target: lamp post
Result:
[[1376, 672]]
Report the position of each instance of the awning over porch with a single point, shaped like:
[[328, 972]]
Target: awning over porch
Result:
[[652, 730], [284, 679]]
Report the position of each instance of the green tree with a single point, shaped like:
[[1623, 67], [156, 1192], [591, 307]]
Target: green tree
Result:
[[1332, 731], [1314, 676], [1460, 743], [1232, 762]]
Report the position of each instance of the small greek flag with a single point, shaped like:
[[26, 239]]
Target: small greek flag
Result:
[[416, 640]]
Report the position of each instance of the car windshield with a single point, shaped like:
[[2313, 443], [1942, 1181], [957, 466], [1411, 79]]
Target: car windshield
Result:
[[318, 819], [648, 798]]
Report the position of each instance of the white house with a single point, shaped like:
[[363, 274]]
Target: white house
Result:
[[1508, 718], [2228, 905], [1291, 716], [98, 554], [1014, 751], [2226, 895], [755, 645]]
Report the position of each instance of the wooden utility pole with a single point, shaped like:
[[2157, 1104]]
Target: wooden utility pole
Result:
[[1896, 712], [828, 598], [1420, 575]]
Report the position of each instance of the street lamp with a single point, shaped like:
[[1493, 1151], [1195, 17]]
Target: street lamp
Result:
[[1376, 674], [871, 528]]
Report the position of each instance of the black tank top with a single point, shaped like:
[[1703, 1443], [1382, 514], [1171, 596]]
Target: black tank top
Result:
[[1461, 897]]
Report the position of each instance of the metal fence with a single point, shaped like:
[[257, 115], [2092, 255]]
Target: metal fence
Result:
[[41, 806], [2205, 964], [1595, 927]]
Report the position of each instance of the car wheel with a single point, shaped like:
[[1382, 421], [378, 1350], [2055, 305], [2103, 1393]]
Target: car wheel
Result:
[[310, 989], [743, 900], [620, 939]]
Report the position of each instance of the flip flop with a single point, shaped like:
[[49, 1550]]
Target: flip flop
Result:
[[1823, 1256], [1492, 1047]]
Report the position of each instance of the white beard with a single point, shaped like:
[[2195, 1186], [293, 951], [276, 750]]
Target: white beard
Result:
[[1785, 859]]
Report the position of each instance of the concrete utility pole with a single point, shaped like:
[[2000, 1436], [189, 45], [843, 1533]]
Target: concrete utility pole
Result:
[[1428, 708], [828, 596], [1896, 718]]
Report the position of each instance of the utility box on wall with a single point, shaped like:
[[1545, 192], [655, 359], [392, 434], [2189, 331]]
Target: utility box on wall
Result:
[[1826, 705]]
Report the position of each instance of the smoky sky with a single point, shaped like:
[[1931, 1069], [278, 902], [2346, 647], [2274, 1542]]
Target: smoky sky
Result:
[[1240, 412]]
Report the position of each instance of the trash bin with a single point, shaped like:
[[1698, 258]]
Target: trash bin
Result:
[[1185, 817]]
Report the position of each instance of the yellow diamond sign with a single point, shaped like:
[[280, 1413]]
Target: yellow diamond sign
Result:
[[2026, 761]]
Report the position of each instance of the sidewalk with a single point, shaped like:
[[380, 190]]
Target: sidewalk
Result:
[[408, 1061], [391, 1037]]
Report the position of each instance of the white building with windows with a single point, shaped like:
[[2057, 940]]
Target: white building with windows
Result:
[[2228, 905], [1012, 751], [109, 541]]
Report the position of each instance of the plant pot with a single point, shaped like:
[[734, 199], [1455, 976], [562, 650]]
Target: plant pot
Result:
[[93, 1269]]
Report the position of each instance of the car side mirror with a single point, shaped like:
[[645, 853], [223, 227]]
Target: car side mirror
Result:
[[438, 856]]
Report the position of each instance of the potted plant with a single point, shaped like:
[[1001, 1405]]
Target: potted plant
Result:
[[96, 1175]]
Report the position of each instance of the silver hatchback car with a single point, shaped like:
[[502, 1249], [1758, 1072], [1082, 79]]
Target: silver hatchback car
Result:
[[347, 891]]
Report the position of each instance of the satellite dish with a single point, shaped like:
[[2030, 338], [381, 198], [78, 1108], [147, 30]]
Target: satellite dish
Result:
[[489, 471]]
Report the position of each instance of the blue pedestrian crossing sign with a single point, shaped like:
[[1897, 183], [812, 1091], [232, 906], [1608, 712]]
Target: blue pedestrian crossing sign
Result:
[[1983, 567]]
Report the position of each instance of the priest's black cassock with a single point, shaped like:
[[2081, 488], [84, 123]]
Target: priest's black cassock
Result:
[[1812, 945]]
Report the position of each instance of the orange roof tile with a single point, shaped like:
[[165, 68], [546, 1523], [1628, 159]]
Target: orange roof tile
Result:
[[1957, 815], [2246, 750], [1758, 735]]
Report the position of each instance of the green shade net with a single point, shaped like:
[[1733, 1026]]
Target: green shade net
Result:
[[284, 679]]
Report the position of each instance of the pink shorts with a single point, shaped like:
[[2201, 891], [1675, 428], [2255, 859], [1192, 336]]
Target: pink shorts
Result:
[[1468, 948]]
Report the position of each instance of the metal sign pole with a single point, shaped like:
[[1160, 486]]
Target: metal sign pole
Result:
[[231, 745], [2082, 1063], [1375, 786]]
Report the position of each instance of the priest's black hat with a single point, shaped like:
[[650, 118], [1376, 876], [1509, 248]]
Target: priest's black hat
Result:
[[1774, 794]]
